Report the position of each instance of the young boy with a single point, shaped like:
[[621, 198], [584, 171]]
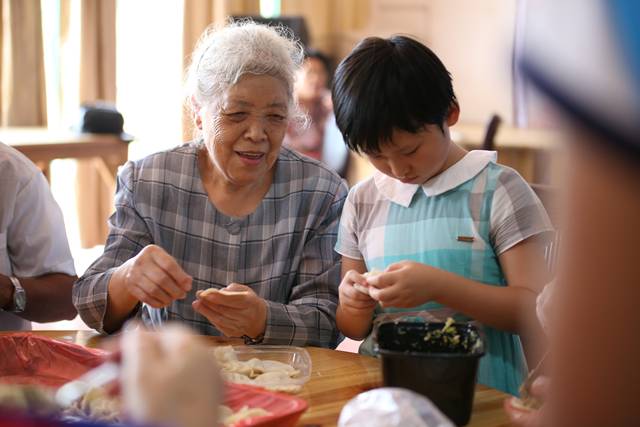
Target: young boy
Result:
[[448, 228]]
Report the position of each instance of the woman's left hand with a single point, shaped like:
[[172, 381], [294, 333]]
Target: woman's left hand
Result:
[[405, 284], [235, 314]]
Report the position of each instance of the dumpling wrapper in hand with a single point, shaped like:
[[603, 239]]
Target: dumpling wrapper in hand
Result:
[[365, 289], [222, 291]]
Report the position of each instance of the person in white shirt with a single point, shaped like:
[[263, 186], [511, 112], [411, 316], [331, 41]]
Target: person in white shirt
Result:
[[36, 268]]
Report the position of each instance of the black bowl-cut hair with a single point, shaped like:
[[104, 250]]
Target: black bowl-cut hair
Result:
[[387, 84]]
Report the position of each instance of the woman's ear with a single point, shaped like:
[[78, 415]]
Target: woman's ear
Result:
[[453, 115], [195, 107]]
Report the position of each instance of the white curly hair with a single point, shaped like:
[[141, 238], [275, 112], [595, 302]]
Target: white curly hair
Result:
[[224, 54]]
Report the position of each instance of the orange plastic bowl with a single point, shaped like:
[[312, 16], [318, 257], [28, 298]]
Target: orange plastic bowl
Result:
[[26, 358]]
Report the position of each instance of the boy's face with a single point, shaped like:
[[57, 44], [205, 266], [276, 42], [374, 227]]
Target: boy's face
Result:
[[414, 158]]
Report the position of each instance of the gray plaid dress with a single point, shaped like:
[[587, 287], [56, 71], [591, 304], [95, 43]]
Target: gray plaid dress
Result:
[[283, 250]]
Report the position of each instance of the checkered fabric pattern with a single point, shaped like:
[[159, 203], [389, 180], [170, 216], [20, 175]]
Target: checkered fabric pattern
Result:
[[463, 229], [283, 250]]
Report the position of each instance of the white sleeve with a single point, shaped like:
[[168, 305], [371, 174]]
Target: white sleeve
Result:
[[516, 212], [347, 242], [36, 237]]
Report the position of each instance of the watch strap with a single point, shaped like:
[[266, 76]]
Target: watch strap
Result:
[[17, 289], [251, 341]]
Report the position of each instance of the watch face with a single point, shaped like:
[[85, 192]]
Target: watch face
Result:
[[19, 299]]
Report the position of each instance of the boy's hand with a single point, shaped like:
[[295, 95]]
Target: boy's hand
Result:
[[351, 298], [405, 284]]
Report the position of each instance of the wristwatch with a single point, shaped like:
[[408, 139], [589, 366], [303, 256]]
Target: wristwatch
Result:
[[251, 341], [19, 296]]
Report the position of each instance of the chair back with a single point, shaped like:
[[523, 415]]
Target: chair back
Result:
[[490, 133]]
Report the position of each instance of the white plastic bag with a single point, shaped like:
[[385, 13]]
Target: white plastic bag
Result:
[[392, 407]]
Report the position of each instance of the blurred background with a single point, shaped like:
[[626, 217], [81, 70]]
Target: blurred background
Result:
[[59, 54]]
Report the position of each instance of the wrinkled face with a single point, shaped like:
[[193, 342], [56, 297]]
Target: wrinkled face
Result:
[[312, 79], [244, 135]]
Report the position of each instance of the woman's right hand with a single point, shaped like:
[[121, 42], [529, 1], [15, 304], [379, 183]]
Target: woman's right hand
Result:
[[154, 277], [352, 299]]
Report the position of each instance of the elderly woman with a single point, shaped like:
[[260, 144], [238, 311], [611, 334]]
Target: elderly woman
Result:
[[233, 211]]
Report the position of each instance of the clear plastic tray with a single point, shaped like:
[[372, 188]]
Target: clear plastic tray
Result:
[[297, 357]]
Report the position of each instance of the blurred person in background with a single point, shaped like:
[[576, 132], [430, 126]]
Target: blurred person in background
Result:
[[36, 268], [585, 57], [320, 138]]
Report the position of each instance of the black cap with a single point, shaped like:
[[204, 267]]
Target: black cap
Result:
[[102, 118]]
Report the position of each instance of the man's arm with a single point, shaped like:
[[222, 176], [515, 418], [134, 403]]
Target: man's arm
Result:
[[39, 254], [48, 297]]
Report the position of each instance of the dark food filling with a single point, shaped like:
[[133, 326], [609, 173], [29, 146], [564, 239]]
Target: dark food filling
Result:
[[432, 338]]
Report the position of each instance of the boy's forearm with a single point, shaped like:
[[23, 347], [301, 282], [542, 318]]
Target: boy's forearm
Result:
[[509, 308], [354, 324]]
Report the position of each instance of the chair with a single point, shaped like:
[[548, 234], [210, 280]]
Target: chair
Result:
[[490, 134]]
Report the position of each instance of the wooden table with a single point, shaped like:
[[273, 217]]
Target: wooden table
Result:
[[42, 146], [336, 378], [529, 151]]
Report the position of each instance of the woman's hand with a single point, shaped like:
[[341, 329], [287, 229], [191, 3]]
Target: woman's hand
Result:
[[405, 284], [235, 313], [352, 299], [154, 277], [169, 378]]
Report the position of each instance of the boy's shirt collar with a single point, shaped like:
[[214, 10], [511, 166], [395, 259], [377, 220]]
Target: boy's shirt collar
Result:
[[458, 173]]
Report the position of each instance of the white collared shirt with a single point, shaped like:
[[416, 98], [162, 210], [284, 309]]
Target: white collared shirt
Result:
[[516, 212], [33, 239], [460, 172]]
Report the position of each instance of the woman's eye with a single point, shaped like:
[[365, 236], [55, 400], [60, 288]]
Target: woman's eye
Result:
[[237, 116]]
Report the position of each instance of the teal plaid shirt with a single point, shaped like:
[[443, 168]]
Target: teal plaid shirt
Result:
[[459, 222]]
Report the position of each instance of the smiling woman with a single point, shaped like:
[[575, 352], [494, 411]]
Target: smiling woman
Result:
[[232, 210], [243, 137]]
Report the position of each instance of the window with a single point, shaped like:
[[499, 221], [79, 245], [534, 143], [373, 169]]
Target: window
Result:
[[149, 73], [270, 8]]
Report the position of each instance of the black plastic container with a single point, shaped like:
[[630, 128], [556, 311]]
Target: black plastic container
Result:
[[444, 374]]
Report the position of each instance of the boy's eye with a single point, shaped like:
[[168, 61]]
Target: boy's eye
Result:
[[412, 151]]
